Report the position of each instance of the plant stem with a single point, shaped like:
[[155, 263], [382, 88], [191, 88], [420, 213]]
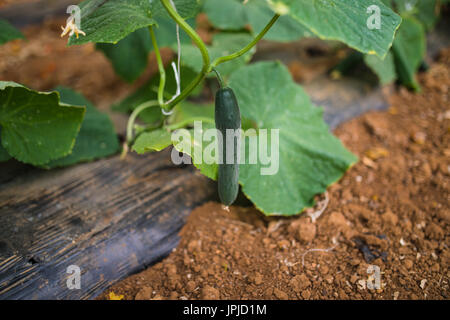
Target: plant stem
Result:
[[219, 78], [198, 41], [207, 66], [134, 114], [162, 72], [247, 47], [166, 94]]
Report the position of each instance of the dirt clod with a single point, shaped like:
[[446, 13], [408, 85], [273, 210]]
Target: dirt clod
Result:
[[305, 231], [281, 295], [210, 293]]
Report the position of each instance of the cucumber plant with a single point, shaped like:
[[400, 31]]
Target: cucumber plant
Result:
[[310, 157]]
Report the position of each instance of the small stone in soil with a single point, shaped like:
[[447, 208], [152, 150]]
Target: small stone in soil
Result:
[[305, 230], [280, 294]]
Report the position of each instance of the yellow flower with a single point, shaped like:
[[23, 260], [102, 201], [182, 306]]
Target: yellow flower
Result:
[[72, 27], [113, 296]]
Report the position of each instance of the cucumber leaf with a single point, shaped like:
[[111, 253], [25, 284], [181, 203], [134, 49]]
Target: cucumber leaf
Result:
[[343, 20], [111, 21], [409, 51], [234, 15], [185, 8], [286, 28], [129, 56], [209, 170], [384, 69], [155, 140], [165, 32], [36, 127], [427, 13], [186, 113], [227, 15], [96, 139], [8, 32]]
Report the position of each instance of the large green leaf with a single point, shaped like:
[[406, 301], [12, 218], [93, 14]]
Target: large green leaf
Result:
[[185, 8], [409, 50], [36, 126], [344, 20], [113, 20], [233, 15], [96, 139], [166, 34], [186, 113], [185, 135], [425, 11], [223, 44], [8, 32], [228, 15], [155, 140], [129, 56], [286, 28], [384, 69]]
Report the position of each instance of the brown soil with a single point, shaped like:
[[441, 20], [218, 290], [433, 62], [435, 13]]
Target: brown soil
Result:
[[391, 210]]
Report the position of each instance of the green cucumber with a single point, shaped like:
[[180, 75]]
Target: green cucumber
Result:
[[227, 116]]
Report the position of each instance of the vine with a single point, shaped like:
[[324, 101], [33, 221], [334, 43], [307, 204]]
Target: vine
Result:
[[206, 68]]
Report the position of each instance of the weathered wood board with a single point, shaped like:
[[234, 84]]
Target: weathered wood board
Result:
[[111, 218]]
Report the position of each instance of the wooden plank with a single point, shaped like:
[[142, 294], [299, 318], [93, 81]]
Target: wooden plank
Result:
[[111, 218]]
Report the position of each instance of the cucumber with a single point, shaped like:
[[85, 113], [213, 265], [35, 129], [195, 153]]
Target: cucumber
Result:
[[227, 116]]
